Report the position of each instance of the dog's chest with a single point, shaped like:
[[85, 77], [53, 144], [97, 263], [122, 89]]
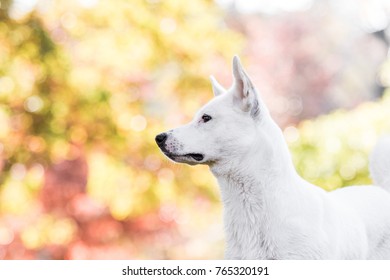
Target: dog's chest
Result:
[[249, 232], [249, 221]]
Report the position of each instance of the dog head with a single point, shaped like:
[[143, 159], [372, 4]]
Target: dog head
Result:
[[227, 126]]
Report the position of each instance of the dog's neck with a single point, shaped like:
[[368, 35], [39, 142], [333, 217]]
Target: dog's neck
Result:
[[256, 179], [251, 195]]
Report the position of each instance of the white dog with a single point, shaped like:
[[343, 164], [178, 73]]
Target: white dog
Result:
[[270, 212]]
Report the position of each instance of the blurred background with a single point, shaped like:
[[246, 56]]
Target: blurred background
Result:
[[85, 85]]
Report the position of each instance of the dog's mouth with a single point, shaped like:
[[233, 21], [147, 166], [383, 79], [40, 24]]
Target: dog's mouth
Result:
[[195, 156]]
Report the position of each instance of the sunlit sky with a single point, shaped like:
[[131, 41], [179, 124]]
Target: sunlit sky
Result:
[[371, 15], [269, 7]]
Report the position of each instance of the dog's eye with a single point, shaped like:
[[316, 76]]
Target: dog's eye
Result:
[[206, 118]]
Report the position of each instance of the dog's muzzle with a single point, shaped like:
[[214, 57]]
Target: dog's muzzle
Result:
[[162, 138]]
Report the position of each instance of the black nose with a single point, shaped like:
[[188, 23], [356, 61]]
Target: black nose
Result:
[[161, 138]]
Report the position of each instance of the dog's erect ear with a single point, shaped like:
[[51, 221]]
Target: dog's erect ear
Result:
[[244, 92], [217, 88]]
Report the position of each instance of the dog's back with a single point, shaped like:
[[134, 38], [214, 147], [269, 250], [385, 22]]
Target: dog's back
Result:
[[371, 203], [380, 163]]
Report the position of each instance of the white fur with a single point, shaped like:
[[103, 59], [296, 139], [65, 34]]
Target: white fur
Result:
[[270, 212]]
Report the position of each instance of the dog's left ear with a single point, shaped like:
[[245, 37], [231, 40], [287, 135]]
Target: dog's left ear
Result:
[[217, 88], [244, 92]]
